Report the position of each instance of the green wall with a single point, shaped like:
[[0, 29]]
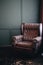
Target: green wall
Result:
[[30, 10], [13, 13]]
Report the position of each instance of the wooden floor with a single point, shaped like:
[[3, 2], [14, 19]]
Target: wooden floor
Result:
[[21, 61], [14, 56]]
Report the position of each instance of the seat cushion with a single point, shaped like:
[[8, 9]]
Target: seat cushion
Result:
[[24, 44]]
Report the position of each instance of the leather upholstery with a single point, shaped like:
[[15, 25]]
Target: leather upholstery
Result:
[[30, 33]]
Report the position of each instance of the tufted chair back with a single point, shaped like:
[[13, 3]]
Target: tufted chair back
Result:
[[30, 31]]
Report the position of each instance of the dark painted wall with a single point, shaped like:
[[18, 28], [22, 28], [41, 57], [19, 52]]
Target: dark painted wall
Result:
[[13, 13], [30, 10]]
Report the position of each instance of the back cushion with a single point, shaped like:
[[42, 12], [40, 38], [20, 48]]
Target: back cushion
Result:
[[30, 31]]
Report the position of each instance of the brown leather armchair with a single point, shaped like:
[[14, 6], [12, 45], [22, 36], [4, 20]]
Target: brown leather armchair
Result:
[[30, 38]]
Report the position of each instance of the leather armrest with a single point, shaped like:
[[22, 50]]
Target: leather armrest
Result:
[[37, 43], [37, 39], [17, 38]]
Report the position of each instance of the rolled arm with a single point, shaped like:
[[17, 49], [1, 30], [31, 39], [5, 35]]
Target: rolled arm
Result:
[[37, 39], [37, 43], [16, 39]]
